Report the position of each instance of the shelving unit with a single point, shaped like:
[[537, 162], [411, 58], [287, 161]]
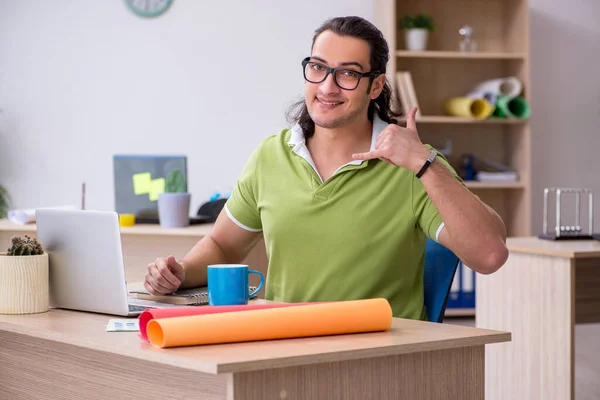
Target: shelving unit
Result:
[[501, 30]]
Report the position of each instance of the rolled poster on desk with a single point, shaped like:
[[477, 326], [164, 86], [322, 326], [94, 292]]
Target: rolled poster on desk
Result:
[[156, 313], [333, 318]]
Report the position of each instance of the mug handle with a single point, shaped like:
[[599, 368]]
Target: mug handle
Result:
[[262, 281]]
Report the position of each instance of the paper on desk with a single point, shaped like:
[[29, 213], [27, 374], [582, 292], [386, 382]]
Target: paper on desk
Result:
[[156, 313], [123, 325], [317, 319], [27, 216]]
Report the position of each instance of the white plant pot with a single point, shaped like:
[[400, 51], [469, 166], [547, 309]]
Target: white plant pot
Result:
[[174, 209], [416, 39], [24, 284]]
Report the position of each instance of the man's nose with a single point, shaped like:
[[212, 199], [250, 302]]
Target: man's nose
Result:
[[328, 86]]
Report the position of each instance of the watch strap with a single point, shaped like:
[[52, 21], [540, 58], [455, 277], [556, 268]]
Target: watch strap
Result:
[[428, 162]]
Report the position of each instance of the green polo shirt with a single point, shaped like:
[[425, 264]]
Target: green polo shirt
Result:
[[360, 234]]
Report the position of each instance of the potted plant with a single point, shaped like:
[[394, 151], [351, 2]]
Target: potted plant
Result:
[[4, 202], [174, 203], [24, 278], [416, 30]]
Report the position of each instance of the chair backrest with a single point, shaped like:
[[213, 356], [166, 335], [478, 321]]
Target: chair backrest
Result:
[[440, 268]]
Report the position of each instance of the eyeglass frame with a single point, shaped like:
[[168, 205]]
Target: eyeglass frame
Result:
[[332, 71]]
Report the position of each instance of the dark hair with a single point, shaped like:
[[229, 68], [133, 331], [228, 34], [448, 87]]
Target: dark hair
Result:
[[362, 29]]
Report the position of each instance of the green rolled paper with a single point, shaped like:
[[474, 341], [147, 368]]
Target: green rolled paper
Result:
[[515, 107]]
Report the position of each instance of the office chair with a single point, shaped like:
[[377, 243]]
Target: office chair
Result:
[[439, 271]]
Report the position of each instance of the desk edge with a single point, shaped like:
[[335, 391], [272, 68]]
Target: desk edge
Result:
[[362, 353], [164, 356], [157, 356], [523, 249]]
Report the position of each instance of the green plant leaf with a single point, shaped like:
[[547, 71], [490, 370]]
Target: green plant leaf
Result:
[[25, 246], [424, 21], [4, 202], [175, 182]]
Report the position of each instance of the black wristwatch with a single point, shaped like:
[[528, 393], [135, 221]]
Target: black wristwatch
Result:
[[430, 159]]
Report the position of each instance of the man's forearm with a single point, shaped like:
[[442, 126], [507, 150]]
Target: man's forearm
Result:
[[473, 231], [205, 252]]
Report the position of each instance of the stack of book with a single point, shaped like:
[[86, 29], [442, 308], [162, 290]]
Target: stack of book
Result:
[[490, 171], [406, 92], [503, 176], [462, 292]]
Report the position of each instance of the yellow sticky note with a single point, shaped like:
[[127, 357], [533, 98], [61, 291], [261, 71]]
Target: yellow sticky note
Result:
[[157, 186], [141, 183]]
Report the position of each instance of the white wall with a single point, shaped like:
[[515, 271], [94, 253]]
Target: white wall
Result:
[[82, 80], [565, 75]]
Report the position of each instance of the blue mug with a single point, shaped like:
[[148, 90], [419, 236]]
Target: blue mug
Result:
[[228, 284]]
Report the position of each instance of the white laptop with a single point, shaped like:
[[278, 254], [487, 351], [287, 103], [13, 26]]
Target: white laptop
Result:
[[87, 271]]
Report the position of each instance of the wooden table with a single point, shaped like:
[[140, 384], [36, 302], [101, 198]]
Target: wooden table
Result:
[[68, 355], [143, 243], [543, 290]]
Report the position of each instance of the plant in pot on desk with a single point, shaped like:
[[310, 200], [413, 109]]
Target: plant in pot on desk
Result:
[[416, 30], [24, 277], [4, 202], [174, 203]]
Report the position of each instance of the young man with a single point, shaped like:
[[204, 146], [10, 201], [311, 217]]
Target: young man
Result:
[[346, 198]]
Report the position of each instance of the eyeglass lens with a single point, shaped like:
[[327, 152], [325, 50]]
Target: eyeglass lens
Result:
[[345, 78]]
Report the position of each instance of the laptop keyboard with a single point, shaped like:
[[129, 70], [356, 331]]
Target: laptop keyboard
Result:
[[135, 307]]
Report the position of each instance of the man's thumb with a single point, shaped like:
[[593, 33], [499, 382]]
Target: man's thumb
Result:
[[175, 267], [173, 264]]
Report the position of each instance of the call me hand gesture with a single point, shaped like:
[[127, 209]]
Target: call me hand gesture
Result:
[[399, 146]]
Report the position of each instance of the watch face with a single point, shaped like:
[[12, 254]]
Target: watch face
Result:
[[148, 8]]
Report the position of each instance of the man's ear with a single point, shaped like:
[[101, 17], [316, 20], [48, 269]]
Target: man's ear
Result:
[[377, 86]]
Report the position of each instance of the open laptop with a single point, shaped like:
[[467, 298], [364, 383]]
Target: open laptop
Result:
[[87, 271]]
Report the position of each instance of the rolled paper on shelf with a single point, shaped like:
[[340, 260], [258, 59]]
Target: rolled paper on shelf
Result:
[[516, 107], [156, 313], [334, 318], [490, 97], [467, 107], [510, 87]]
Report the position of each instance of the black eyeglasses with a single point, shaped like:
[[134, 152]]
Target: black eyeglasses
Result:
[[344, 78]]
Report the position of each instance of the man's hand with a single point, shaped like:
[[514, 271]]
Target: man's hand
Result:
[[399, 146], [164, 276]]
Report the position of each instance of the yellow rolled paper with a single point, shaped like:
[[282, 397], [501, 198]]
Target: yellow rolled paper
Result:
[[467, 107]]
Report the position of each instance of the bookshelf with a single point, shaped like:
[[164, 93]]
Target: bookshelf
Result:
[[441, 71], [501, 30]]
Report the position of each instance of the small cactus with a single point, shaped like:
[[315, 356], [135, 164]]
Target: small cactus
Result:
[[26, 246], [175, 182]]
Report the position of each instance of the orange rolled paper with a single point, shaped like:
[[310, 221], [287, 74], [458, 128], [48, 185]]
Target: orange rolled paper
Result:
[[334, 318]]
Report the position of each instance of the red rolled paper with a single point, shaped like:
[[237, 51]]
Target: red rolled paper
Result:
[[156, 313]]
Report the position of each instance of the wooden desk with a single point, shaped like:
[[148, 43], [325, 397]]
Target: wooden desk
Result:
[[143, 243], [66, 355], [543, 290]]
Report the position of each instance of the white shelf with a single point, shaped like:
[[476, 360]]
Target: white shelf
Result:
[[461, 55], [459, 312], [443, 119], [494, 185]]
